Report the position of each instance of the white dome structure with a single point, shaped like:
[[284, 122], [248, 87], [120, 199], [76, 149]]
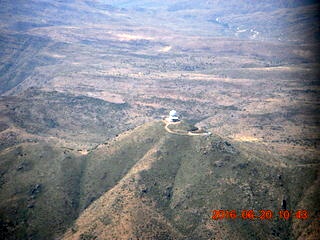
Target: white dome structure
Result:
[[173, 116], [173, 113]]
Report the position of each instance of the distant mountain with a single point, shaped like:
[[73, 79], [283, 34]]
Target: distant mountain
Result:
[[35, 34], [63, 116]]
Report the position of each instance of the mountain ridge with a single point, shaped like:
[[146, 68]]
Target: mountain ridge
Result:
[[151, 188], [150, 183]]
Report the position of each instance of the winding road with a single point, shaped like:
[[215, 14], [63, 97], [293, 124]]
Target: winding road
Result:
[[166, 127]]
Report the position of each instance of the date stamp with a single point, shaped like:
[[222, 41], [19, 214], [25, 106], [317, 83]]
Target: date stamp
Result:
[[263, 214]]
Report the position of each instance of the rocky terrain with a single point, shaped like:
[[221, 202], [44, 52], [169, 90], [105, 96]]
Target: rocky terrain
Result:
[[84, 85]]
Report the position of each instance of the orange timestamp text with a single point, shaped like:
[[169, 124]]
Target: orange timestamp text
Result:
[[264, 214]]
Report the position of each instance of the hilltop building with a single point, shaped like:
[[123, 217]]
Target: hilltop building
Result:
[[173, 116]]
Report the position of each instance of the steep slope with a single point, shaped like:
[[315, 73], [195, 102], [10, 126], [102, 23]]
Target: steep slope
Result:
[[170, 191], [44, 186], [39, 190], [112, 160]]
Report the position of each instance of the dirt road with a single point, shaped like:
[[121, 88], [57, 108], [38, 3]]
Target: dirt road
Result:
[[166, 127]]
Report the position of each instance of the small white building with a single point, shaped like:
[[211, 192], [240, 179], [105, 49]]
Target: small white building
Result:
[[173, 116]]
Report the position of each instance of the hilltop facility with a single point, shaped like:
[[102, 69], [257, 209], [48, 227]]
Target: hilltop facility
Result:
[[173, 116]]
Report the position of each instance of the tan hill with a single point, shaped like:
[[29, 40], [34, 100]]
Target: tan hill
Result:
[[151, 184], [44, 186], [173, 185]]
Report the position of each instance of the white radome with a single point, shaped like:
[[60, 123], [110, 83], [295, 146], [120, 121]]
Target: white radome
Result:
[[173, 113], [173, 116]]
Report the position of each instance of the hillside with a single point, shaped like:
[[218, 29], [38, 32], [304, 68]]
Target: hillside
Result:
[[152, 184], [39, 190], [44, 185], [62, 116], [171, 189]]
